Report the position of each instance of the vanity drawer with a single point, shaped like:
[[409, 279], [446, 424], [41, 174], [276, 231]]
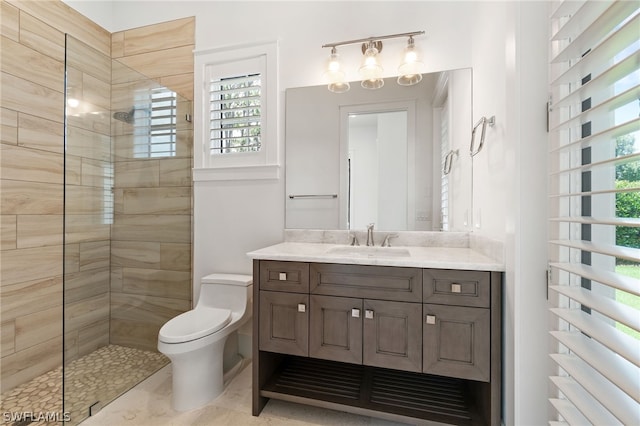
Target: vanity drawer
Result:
[[366, 282], [284, 276], [462, 288]]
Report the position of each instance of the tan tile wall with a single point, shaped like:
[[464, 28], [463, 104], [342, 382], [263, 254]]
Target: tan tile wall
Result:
[[31, 179], [151, 234], [147, 49], [150, 270]]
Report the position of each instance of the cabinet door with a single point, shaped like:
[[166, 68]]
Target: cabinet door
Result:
[[392, 335], [284, 323], [335, 329], [457, 342]]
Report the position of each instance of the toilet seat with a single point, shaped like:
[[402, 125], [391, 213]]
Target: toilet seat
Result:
[[194, 324]]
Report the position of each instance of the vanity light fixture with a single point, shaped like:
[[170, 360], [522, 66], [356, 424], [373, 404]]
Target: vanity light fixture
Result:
[[410, 69], [334, 73], [371, 70]]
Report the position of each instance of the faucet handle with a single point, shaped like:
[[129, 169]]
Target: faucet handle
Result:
[[386, 243], [370, 226], [354, 240]]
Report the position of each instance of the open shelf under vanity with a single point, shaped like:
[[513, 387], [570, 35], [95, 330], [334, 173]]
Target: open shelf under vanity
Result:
[[391, 394]]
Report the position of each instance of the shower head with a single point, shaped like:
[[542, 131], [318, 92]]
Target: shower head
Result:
[[126, 117]]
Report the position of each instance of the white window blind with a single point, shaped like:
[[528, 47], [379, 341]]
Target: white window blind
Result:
[[235, 106], [163, 123], [154, 118], [594, 153]]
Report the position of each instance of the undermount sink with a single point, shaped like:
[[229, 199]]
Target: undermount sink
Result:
[[367, 251]]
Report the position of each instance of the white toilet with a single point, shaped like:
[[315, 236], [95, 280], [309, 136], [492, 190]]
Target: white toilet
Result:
[[194, 341]]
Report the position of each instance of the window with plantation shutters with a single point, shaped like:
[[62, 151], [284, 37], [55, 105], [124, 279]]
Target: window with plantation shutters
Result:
[[594, 269], [235, 105]]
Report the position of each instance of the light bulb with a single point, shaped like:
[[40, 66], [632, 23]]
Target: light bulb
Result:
[[334, 74], [411, 68], [371, 70]]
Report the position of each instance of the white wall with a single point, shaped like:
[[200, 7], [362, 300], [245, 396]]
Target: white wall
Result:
[[363, 151], [460, 120], [393, 191], [510, 81], [505, 44], [301, 28]]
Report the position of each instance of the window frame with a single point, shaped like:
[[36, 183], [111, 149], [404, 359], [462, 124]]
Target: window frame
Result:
[[233, 61]]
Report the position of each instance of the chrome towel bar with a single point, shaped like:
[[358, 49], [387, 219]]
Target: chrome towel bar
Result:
[[292, 196]]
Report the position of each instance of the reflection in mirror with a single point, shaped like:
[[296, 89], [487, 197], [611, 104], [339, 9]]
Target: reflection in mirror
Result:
[[378, 156], [377, 146]]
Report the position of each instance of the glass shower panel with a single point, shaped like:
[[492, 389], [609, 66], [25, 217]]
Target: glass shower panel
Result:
[[127, 259], [151, 233], [88, 209]]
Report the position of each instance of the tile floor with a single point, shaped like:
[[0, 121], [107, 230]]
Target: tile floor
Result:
[[149, 404], [102, 375]]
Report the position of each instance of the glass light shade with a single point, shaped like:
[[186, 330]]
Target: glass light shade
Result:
[[371, 70], [411, 68], [340, 87], [335, 75]]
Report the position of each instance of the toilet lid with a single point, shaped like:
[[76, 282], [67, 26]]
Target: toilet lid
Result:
[[194, 324]]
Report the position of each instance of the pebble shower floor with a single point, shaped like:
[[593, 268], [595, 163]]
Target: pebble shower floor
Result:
[[102, 375]]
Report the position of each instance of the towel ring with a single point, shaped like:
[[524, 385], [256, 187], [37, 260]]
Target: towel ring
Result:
[[448, 162], [484, 121]]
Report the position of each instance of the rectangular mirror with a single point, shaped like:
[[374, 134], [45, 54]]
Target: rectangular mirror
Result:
[[396, 156]]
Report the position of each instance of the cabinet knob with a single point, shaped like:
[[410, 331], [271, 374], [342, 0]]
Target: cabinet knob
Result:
[[355, 313], [431, 319], [368, 314], [282, 276], [455, 288], [302, 307]]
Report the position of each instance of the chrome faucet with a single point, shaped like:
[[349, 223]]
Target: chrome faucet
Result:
[[370, 235], [386, 243]]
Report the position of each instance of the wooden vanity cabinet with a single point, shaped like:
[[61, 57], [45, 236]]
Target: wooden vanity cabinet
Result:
[[284, 303], [457, 324], [404, 344], [284, 323]]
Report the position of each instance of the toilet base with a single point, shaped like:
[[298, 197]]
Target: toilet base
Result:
[[235, 369], [197, 377]]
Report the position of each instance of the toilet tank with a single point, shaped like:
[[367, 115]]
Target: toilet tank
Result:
[[227, 291]]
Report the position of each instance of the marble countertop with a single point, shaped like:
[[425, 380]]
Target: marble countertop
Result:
[[462, 258]]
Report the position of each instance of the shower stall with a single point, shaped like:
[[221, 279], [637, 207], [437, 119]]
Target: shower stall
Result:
[[127, 232]]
